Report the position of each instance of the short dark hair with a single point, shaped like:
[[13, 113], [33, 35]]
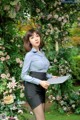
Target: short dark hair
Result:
[[27, 44]]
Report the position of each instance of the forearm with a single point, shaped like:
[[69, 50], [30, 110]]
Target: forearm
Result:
[[30, 79]]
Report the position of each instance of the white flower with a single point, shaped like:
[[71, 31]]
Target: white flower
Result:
[[20, 111], [18, 60], [13, 78], [60, 18], [62, 102], [55, 60], [58, 97], [22, 95], [14, 107], [65, 108], [50, 97], [73, 106], [58, 9], [12, 84], [19, 46], [31, 112], [3, 76], [55, 16], [16, 118], [49, 16], [53, 98]]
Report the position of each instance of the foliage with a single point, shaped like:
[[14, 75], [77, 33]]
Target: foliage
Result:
[[75, 33], [75, 66], [11, 89], [66, 100]]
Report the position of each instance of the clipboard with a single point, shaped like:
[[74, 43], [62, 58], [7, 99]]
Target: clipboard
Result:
[[58, 80]]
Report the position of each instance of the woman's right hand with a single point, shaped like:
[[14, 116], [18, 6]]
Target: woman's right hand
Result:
[[44, 84]]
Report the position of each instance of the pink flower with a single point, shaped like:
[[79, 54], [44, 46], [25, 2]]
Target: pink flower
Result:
[[3, 59], [7, 57], [11, 118], [65, 20], [12, 84]]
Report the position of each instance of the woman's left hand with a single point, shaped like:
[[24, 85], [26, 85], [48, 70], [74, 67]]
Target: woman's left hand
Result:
[[54, 76]]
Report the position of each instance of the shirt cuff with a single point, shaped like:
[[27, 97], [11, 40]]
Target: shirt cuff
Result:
[[49, 75], [36, 81]]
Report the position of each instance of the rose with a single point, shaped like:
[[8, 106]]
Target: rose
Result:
[[8, 99]]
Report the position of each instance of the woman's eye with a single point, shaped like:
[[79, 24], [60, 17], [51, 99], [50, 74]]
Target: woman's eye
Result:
[[32, 37]]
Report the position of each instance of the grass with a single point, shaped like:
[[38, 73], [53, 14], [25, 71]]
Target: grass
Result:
[[54, 115]]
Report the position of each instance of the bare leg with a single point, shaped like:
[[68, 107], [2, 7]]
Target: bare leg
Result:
[[43, 106], [39, 112]]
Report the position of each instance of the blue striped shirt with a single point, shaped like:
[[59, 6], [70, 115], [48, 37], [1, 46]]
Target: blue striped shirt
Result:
[[34, 61]]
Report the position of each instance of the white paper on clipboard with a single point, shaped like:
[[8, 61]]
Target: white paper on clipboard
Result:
[[58, 80]]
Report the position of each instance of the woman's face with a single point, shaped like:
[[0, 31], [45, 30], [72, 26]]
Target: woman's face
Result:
[[35, 40]]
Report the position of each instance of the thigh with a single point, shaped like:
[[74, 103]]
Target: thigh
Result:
[[39, 112]]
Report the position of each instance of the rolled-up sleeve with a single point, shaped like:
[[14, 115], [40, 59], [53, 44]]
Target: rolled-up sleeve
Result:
[[25, 71]]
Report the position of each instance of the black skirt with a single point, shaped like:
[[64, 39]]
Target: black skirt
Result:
[[35, 94]]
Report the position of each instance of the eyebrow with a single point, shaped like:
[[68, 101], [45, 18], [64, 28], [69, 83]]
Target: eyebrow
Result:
[[33, 34]]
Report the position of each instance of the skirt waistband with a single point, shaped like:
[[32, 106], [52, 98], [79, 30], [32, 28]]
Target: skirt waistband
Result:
[[39, 75]]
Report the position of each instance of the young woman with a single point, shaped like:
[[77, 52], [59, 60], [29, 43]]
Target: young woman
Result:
[[34, 73]]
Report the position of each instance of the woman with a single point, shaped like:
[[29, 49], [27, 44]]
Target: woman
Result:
[[34, 73]]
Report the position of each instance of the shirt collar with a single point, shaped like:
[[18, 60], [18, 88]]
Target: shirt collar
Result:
[[34, 50]]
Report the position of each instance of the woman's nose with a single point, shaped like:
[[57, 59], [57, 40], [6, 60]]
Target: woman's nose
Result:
[[36, 38]]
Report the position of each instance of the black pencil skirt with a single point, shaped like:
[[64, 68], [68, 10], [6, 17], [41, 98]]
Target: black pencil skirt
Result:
[[35, 94]]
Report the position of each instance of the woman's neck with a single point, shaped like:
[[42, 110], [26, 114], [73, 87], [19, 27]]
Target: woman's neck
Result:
[[36, 48]]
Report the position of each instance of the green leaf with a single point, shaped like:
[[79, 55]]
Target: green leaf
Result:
[[14, 2], [12, 13]]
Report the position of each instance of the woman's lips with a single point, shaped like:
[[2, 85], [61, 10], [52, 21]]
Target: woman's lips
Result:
[[37, 42]]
